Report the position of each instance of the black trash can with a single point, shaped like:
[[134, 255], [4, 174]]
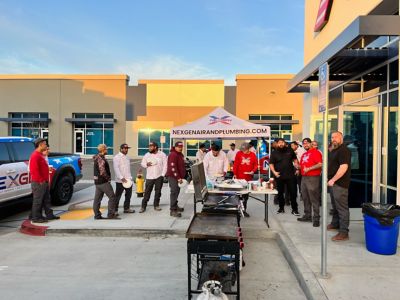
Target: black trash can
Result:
[[381, 226]]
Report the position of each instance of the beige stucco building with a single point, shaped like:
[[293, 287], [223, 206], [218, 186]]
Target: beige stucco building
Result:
[[77, 112]]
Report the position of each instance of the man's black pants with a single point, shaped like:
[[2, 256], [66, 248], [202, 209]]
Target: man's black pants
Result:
[[157, 184], [291, 185], [119, 189]]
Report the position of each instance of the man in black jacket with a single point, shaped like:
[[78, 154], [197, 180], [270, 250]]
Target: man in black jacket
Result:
[[102, 181], [284, 165]]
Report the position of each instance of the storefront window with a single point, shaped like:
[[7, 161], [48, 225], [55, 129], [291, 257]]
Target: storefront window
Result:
[[352, 90], [192, 146], [392, 147], [332, 126], [32, 129], [145, 136], [93, 133], [277, 130], [394, 75]]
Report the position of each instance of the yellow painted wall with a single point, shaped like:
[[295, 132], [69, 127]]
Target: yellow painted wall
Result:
[[267, 94], [185, 93], [178, 115], [342, 14]]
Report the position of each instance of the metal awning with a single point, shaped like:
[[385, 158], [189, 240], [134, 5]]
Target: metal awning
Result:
[[346, 54], [10, 120], [90, 120], [275, 122]]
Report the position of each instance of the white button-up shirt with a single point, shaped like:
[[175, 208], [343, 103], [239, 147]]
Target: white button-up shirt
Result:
[[215, 165], [200, 155], [122, 167], [299, 152], [232, 154], [159, 167]]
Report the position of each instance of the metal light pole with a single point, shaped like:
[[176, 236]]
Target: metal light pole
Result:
[[323, 101]]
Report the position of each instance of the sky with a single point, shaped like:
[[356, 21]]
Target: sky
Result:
[[146, 39]]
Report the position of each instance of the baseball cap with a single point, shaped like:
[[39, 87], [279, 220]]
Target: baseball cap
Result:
[[38, 141], [124, 146], [233, 144], [178, 144], [153, 144]]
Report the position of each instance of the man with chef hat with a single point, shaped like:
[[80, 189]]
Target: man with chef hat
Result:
[[155, 162], [123, 178]]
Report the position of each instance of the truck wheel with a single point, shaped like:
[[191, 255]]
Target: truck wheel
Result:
[[63, 190]]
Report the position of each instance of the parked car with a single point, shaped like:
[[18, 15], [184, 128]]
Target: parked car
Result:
[[65, 171]]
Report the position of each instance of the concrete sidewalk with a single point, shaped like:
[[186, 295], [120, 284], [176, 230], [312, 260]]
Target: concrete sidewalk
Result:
[[149, 221], [354, 272]]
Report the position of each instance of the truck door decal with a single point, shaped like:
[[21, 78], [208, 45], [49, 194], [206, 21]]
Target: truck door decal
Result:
[[3, 182]]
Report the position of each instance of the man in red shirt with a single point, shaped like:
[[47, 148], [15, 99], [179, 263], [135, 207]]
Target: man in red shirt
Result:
[[310, 166], [39, 172], [244, 167]]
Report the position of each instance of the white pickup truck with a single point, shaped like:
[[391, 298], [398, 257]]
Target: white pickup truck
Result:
[[14, 175]]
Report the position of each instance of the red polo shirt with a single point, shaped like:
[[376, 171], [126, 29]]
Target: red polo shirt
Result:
[[309, 159], [245, 163], [38, 167]]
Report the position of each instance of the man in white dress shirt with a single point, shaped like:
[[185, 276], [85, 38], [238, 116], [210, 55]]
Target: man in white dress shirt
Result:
[[215, 162], [122, 170], [201, 153], [155, 162], [299, 153], [232, 153]]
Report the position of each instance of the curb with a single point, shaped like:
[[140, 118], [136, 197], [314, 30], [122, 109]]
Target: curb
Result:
[[142, 233], [304, 275]]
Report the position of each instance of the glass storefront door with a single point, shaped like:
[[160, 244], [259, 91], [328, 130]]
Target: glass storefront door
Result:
[[360, 134], [79, 142]]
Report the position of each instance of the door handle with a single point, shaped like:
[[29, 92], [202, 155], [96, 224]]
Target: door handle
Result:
[[11, 171]]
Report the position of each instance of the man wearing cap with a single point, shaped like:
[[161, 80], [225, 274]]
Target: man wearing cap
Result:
[[39, 173], [215, 162], [122, 170], [155, 162], [176, 173], [310, 166], [102, 181], [232, 153]]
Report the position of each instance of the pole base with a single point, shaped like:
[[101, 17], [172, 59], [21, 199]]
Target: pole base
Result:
[[326, 276]]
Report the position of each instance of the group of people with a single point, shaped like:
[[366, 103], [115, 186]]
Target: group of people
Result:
[[243, 163], [291, 167], [157, 166]]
